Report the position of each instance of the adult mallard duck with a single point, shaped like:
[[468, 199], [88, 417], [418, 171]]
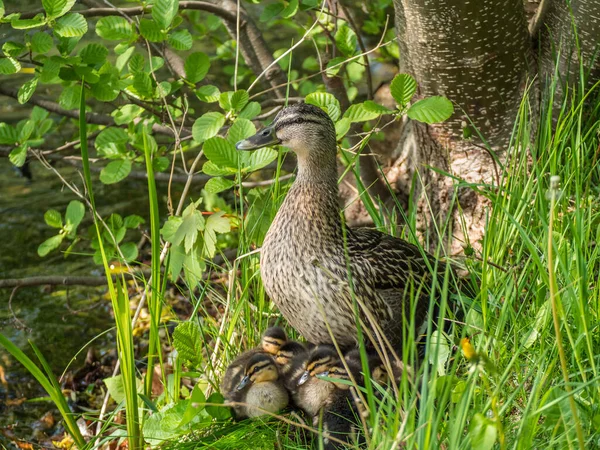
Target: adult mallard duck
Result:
[[308, 257]]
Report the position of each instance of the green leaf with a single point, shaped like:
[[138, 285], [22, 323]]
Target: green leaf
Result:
[[221, 152], [210, 168], [105, 89], [151, 30], [170, 228], [358, 113], [126, 114], [41, 42], [111, 141], [27, 90], [18, 155], [258, 159], [371, 106], [187, 339], [115, 171], [342, 127], [26, 24], [482, 432], [345, 39], [8, 66], [290, 10], [241, 129], [115, 388], [142, 83], [209, 94], [215, 223], [431, 110], [196, 67], [115, 28], [8, 134], [326, 102], [93, 54], [70, 97], [136, 64], [207, 126], [50, 244], [75, 213], [50, 71], [160, 164], [53, 218], [71, 25], [124, 58], [164, 11], [133, 221], [57, 8], [180, 40], [217, 412], [271, 11], [188, 230], [334, 66], [13, 49], [239, 100], [26, 130], [129, 251], [250, 111], [218, 184], [403, 88]]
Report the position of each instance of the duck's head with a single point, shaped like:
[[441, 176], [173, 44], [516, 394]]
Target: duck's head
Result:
[[305, 129], [273, 339], [259, 369], [319, 363], [288, 351]]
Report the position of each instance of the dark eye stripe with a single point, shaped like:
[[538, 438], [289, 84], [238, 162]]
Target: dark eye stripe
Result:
[[296, 121]]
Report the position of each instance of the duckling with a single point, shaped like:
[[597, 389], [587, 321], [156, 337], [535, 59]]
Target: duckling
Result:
[[260, 389], [287, 354], [307, 251], [272, 340]]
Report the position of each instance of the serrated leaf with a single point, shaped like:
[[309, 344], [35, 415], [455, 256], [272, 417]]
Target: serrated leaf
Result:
[[136, 64], [53, 218], [482, 432], [210, 168], [170, 227], [225, 100], [358, 113], [221, 152], [115, 388], [111, 137], [50, 71], [192, 222], [334, 66], [241, 129], [75, 213], [207, 126], [403, 88], [217, 412], [196, 67], [8, 134], [70, 97], [124, 58], [142, 83], [50, 244], [164, 11], [126, 114], [26, 24], [271, 11], [57, 8], [8, 66], [26, 130], [209, 93], [115, 171], [186, 340], [13, 49], [326, 102], [290, 10], [345, 39], [250, 111], [71, 25], [180, 40], [342, 127], [41, 42], [27, 90], [129, 251], [114, 28], [218, 184], [371, 106], [151, 30], [257, 159], [93, 54], [17, 156], [239, 100], [216, 223], [133, 221], [431, 110], [105, 89], [160, 164]]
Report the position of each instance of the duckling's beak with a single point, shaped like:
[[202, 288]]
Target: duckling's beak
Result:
[[304, 378], [263, 138], [243, 383]]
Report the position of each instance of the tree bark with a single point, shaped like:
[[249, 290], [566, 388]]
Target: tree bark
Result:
[[478, 54]]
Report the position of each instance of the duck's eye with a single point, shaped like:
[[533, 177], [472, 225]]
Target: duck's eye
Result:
[[264, 132]]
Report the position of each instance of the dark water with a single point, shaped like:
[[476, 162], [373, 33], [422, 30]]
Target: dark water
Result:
[[61, 321]]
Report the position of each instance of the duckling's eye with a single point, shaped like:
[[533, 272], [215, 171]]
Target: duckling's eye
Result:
[[255, 370]]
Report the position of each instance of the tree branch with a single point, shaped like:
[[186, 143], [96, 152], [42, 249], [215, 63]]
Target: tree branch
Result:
[[93, 118]]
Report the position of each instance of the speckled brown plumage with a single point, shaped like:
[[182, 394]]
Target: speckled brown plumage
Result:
[[303, 258]]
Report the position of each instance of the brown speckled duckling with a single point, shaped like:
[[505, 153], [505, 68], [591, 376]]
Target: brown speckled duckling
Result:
[[260, 388], [303, 257], [271, 342]]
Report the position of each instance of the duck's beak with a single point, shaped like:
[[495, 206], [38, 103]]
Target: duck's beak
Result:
[[304, 378], [243, 383], [263, 138]]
